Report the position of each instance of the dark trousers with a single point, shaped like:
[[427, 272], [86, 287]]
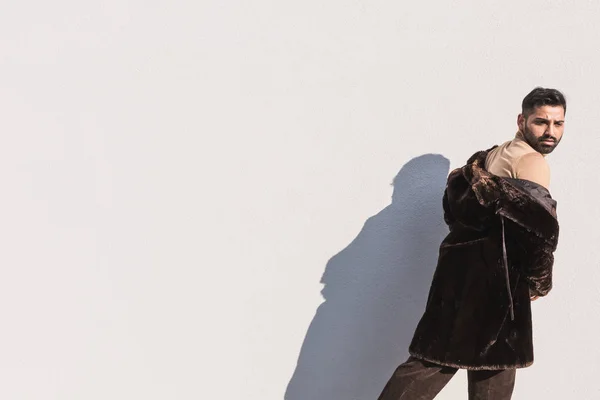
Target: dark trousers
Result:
[[422, 380]]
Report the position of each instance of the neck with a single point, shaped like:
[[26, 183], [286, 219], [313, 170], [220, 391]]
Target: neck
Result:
[[520, 135]]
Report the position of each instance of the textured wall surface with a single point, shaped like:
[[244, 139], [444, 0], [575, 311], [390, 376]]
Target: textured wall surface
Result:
[[233, 199]]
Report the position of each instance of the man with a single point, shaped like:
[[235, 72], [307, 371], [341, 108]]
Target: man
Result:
[[497, 257]]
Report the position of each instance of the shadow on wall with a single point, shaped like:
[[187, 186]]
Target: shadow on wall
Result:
[[375, 292]]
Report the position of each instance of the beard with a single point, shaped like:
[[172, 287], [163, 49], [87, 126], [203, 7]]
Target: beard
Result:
[[537, 143]]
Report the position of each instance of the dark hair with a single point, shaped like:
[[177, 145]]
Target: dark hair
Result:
[[542, 97]]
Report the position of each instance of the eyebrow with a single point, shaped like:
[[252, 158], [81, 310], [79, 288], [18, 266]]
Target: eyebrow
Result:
[[547, 120]]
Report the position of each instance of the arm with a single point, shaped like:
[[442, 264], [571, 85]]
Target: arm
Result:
[[540, 260], [538, 271], [535, 257]]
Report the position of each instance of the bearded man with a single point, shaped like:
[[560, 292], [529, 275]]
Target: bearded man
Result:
[[497, 258]]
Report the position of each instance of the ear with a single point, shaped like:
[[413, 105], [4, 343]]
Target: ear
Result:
[[521, 122]]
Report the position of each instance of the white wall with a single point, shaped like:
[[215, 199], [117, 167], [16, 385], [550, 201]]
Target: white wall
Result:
[[182, 179]]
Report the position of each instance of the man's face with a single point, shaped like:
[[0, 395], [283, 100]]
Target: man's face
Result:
[[543, 128]]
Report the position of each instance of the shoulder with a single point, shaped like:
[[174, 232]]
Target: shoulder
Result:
[[533, 160], [533, 167]]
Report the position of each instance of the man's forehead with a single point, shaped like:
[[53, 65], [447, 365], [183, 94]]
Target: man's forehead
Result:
[[556, 113]]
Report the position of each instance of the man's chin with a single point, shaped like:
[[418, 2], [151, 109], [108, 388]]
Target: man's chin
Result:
[[546, 148]]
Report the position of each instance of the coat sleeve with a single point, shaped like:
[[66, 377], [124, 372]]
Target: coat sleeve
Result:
[[538, 266], [535, 257], [533, 216]]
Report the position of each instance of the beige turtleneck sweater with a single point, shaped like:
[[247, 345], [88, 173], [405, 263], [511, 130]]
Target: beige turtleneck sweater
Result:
[[517, 159]]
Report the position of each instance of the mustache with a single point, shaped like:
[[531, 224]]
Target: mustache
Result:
[[544, 138]]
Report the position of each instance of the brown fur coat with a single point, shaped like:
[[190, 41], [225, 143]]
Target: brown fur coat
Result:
[[499, 252]]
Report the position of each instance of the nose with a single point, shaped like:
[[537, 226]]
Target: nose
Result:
[[550, 130]]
